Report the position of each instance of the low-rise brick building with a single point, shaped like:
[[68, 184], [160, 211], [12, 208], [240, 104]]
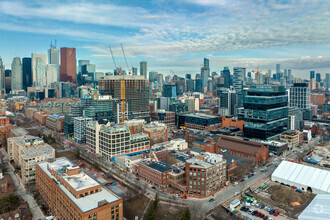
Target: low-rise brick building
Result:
[[55, 122], [156, 131], [155, 173], [72, 193], [228, 121], [291, 137], [40, 117], [242, 148]]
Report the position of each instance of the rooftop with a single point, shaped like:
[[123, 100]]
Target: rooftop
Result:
[[79, 182], [19, 131], [37, 151], [239, 144], [160, 166], [201, 115]]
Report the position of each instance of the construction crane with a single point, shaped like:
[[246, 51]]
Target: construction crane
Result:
[[122, 48], [257, 72], [113, 58]]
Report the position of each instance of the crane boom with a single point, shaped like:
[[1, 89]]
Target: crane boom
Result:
[[122, 48], [113, 58]]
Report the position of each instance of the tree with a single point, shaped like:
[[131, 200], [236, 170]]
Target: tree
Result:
[[186, 214], [153, 208]]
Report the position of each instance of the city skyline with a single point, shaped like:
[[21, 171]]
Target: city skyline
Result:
[[172, 35]]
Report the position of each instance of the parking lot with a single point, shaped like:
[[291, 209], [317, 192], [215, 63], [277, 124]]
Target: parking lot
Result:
[[262, 211]]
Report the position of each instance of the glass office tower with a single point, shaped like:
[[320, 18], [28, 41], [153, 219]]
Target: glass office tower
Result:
[[266, 112]]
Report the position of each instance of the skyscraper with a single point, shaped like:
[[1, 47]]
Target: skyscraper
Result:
[[205, 72], [53, 56], [42, 64], [188, 76], [318, 77], [81, 63], [278, 71], [143, 69], [2, 75], [52, 71], [289, 76], [27, 72], [300, 98], [327, 80], [312, 74], [239, 78], [225, 73], [152, 76], [16, 74], [134, 71], [40, 79], [68, 64]]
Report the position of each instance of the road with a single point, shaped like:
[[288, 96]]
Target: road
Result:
[[27, 197]]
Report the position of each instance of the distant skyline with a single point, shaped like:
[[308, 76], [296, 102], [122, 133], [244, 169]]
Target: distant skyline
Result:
[[174, 35]]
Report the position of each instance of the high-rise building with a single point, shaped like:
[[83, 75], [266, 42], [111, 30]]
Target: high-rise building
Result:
[[289, 76], [318, 77], [16, 74], [207, 63], [68, 64], [80, 124], [53, 56], [40, 79], [52, 74], [199, 85], [2, 75], [38, 67], [143, 69], [160, 78], [312, 74], [190, 85], [27, 72], [134, 70], [265, 111], [239, 78], [188, 76], [153, 76], [137, 92], [81, 63], [327, 80], [278, 71], [169, 90], [300, 98], [225, 73], [205, 72]]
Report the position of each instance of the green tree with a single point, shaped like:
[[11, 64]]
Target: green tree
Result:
[[152, 209], [186, 214]]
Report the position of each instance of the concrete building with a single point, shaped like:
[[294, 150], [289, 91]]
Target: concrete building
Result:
[[2, 75], [39, 62], [110, 141], [68, 65], [143, 69], [16, 74], [53, 55], [80, 124], [300, 98], [205, 175], [52, 74], [25, 151], [176, 144], [239, 78], [72, 193], [291, 137], [156, 131]]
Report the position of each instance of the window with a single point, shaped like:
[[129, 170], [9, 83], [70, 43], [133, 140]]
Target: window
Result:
[[86, 193], [94, 214], [92, 192], [90, 216]]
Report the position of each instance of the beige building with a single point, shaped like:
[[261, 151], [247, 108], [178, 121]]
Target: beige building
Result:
[[25, 151], [291, 137]]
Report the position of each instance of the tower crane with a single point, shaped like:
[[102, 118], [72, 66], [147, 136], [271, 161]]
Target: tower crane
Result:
[[257, 72], [122, 48]]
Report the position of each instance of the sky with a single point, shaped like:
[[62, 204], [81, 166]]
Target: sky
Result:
[[174, 35]]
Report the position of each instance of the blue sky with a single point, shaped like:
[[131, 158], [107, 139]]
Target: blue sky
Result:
[[174, 34]]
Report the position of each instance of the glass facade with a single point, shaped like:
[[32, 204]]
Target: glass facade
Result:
[[266, 112]]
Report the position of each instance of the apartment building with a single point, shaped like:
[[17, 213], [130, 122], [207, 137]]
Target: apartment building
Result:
[[72, 193], [110, 141], [205, 174], [55, 122], [25, 151], [157, 132], [80, 124]]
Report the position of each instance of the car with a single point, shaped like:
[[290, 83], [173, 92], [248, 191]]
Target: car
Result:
[[153, 187], [266, 208], [184, 197], [258, 214], [242, 208], [246, 209], [262, 215], [236, 193], [235, 183], [257, 205], [254, 203], [211, 200], [256, 191], [276, 213], [177, 196], [293, 187], [265, 217], [272, 211], [251, 210], [254, 212], [262, 206]]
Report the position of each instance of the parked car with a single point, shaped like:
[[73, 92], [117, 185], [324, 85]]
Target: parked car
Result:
[[183, 197], [258, 214], [257, 205], [211, 200], [276, 213], [236, 193], [272, 211], [262, 215], [265, 217], [235, 183], [299, 190], [254, 212], [242, 208], [251, 210], [254, 203], [262, 206], [293, 187]]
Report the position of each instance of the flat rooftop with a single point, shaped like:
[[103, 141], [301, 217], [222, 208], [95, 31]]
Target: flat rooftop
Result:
[[37, 151], [19, 131], [201, 115], [79, 182], [160, 166]]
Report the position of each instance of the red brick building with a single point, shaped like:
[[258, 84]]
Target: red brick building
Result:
[[156, 131], [155, 173], [242, 148], [5, 128], [232, 122], [40, 117]]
